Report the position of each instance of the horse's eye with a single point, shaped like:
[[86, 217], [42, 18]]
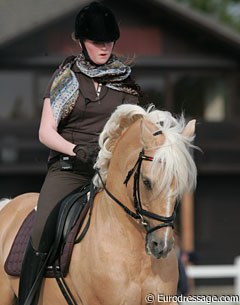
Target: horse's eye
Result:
[[147, 183]]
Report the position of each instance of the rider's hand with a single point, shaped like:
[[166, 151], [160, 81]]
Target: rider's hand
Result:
[[85, 153]]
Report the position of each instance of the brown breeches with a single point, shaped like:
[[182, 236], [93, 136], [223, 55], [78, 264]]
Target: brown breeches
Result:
[[57, 185]]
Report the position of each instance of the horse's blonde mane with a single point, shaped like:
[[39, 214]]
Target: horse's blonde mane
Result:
[[120, 119], [178, 162]]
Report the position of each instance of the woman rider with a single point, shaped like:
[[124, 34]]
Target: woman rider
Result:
[[81, 96]]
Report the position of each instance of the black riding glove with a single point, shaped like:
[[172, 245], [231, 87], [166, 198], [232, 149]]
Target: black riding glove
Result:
[[86, 154]]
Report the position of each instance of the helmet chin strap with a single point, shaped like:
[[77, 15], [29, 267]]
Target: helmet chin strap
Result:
[[85, 52]]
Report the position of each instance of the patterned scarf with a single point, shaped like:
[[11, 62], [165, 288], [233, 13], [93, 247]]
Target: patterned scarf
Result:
[[65, 86], [114, 74]]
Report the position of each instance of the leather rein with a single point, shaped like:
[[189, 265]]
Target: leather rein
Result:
[[140, 213]]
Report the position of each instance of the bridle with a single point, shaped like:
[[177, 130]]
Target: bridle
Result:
[[140, 213]]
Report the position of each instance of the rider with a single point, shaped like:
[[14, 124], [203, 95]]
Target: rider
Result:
[[81, 96]]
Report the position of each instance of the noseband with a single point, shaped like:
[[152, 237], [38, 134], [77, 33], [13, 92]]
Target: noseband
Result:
[[140, 213]]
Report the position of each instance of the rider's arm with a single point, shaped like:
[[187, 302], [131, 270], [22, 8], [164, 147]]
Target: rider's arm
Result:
[[48, 134]]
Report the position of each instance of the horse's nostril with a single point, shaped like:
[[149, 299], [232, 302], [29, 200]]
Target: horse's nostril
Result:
[[160, 249]]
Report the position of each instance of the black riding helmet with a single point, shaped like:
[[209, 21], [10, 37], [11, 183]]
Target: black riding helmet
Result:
[[96, 22]]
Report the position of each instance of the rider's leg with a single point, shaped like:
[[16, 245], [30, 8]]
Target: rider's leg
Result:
[[57, 185]]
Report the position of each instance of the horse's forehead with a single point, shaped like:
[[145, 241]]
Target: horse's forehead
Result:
[[156, 138], [132, 135]]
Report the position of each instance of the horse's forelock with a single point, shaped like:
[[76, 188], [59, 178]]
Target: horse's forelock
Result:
[[176, 158]]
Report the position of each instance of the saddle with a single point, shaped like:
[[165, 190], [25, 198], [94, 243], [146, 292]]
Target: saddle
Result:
[[73, 211]]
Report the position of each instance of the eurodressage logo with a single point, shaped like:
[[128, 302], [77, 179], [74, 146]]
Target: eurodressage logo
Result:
[[207, 299]]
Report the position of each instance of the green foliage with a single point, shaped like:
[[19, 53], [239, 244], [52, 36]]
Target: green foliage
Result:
[[226, 11]]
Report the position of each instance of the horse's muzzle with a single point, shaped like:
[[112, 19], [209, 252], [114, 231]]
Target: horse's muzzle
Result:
[[159, 248]]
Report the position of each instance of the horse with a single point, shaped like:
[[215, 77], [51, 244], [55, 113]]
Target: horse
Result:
[[127, 257]]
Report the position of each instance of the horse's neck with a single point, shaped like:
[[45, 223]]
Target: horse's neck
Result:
[[113, 222], [109, 209]]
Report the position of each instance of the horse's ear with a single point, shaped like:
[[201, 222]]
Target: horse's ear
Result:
[[146, 133], [189, 129]]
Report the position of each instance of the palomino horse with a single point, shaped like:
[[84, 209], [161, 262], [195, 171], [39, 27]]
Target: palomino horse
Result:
[[128, 253]]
